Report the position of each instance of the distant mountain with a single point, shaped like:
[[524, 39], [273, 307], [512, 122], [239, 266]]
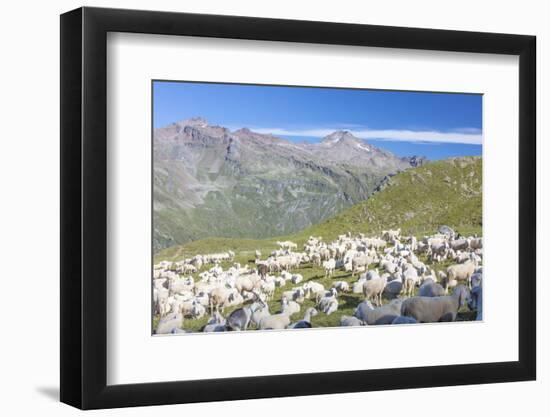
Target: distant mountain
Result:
[[210, 181]]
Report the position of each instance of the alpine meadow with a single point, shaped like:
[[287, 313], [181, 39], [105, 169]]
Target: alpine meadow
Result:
[[281, 208]]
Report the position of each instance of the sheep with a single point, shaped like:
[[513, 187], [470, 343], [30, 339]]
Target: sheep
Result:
[[244, 283], [461, 272], [313, 289], [259, 311], [306, 321], [275, 321], [393, 288], [316, 259], [331, 307], [290, 307], [476, 243], [329, 266], [360, 262], [296, 294], [459, 244], [346, 321], [296, 278], [216, 323], [374, 288], [257, 254], [362, 310], [379, 315], [410, 279], [234, 299], [434, 309], [240, 318], [287, 245], [476, 301], [168, 323], [268, 288], [389, 267], [197, 310], [357, 287], [263, 269], [280, 282], [328, 303], [341, 286], [429, 288]]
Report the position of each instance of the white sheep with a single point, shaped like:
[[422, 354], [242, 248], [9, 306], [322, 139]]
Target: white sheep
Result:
[[289, 306], [329, 266], [373, 289]]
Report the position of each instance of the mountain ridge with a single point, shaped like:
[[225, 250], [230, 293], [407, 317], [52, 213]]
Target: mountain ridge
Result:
[[211, 181]]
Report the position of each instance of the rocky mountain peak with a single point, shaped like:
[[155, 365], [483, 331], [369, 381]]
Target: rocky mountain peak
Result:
[[194, 122], [339, 137]]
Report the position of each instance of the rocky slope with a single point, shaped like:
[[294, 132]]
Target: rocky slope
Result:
[[210, 181]]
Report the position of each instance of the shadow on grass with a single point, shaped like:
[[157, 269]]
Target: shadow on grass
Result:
[[348, 301]]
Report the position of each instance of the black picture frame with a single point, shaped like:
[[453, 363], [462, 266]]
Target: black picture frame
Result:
[[84, 207]]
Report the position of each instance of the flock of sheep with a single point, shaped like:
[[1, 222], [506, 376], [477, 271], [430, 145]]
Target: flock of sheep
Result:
[[386, 267]]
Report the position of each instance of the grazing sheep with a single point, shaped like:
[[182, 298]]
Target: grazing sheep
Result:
[[268, 288], [296, 278], [275, 321], [290, 307], [216, 323], [198, 310], [379, 315], [296, 294], [393, 288], [434, 309], [240, 319], [263, 269], [313, 289], [341, 286], [316, 259], [259, 310], [362, 310], [244, 283], [410, 279], [360, 262], [330, 307], [429, 288], [306, 321], [219, 297], [357, 287], [325, 297], [461, 272], [374, 288], [329, 266]]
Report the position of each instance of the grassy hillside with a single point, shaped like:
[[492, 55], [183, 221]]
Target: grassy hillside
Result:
[[418, 201]]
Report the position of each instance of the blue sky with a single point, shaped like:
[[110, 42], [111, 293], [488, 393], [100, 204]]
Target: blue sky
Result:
[[436, 125]]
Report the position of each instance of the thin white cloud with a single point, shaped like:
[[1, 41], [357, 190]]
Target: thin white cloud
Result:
[[469, 136]]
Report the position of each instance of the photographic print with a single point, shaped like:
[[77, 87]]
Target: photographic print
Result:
[[294, 207]]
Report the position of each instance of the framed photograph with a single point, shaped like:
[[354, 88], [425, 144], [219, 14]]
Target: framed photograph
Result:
[[258, 208]]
